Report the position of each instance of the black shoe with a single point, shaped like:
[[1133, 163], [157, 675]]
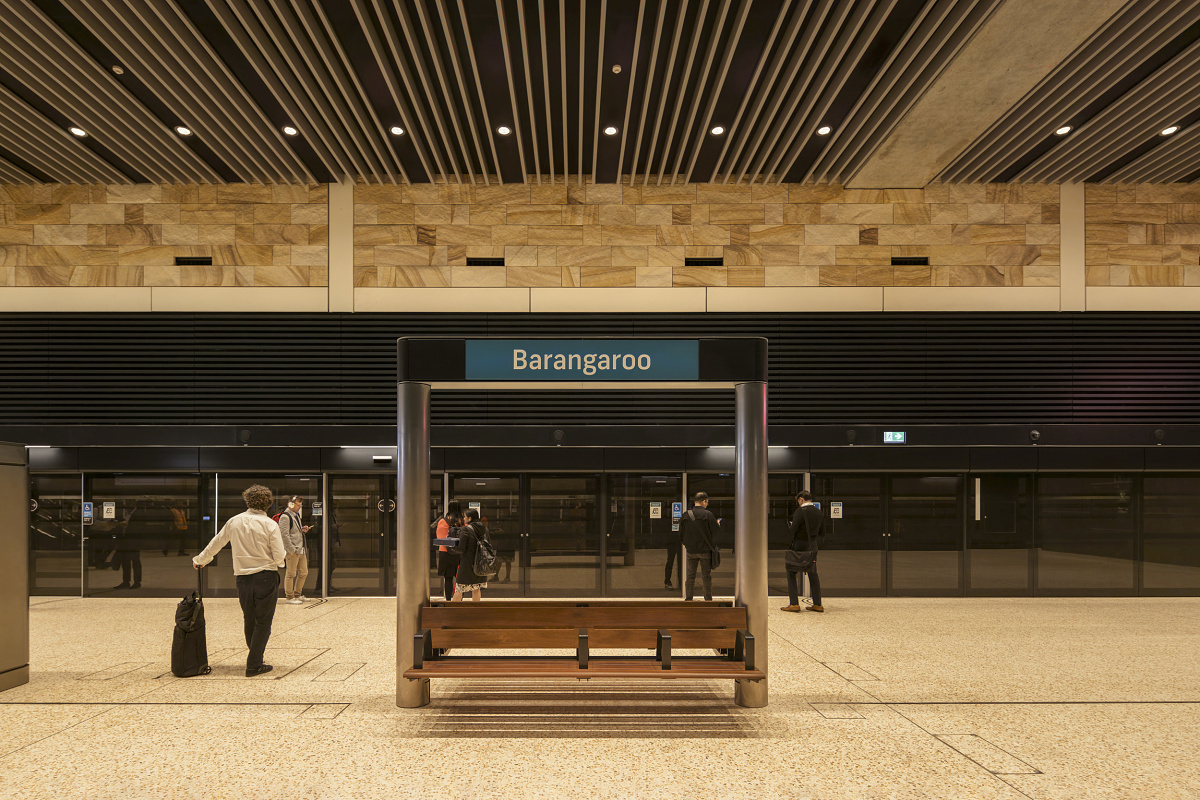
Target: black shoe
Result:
[[667, 585], [122, 586], [136, 586], [265, 668]]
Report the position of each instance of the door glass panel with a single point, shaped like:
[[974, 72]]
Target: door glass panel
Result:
[[781, 505], [1171, 533], [143, 543], [436, 509], [925, 546], [720, 490], [1002, 537], [362, 530], [218, 576], [851, 559], [1087, 528], [642, 552], [499, 499], [55, 548], [564, 536]]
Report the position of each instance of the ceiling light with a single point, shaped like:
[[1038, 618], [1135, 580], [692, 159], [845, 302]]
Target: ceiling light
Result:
[[396, 130], [824, 130], [289, 130], [616, 69], [717, 130], [183, 131], [1063, 131], [80, 132], [118, 69], [610, 130], [1169, 130], [503, 130]]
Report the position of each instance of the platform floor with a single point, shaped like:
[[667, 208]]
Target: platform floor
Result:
[[1050, 699]]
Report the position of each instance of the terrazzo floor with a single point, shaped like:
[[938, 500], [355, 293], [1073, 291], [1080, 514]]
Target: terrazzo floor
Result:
[[1051, 699]]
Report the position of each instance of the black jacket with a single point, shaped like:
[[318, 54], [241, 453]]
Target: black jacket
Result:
[[694, 531], [808, 526], [469, 537]]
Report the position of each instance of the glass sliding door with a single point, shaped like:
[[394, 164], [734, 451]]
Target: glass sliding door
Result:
[[781, 506], [362, 532], [1171, 534], [1000, 555], [1087, 534], [851, 562], [642, 543], [563, 542], [500, 502], [925, 538], [55, 535], [720, 489]]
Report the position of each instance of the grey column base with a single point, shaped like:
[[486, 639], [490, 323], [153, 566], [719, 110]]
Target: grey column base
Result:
[[14, 678], [413, 694]]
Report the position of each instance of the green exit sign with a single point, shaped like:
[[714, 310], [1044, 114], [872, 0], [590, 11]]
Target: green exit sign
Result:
[[893, 437]]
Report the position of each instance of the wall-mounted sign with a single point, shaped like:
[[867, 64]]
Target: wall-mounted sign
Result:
[[387, 506], [835, 510], [110, 510], [656, 511], [893, 437], [582, 360], [475, 506], [676, 510], [318, 509], [87, 513]]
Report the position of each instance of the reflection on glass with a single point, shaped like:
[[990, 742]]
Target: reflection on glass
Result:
[[498, 499], [146, 529], [781, 505], [1087, 526], [851, 559], [1002, 537], [720, 490], [361, 529], [1171, 533], [54, 535], [564, 536], [927, 534], [643, 551]]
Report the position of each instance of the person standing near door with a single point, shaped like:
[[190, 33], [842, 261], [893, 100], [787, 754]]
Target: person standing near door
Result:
[[469, 536], [700, 529], [257, 556], [447, 562], [809, 523], [292, 529]]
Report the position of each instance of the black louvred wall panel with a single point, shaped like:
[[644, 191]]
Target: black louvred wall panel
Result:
[[331, 369]]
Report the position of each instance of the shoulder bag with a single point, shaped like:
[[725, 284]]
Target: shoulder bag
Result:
[[714, 555], [798, 560]]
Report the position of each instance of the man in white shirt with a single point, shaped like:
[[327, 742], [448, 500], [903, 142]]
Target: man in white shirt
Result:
[[293, 530], [258, 554]]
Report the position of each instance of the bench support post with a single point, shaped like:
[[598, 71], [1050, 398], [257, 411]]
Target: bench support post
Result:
[[750, 515], [422, 648], [582, 650], [745, 648], [663, 651], [412, 533]]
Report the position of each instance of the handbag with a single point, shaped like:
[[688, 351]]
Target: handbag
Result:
[[714, 555], [798, 560]]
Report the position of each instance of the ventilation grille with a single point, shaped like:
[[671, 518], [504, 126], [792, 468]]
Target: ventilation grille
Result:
[[704, 262], [485, 262], [333, 369], [910, 261], [193, 261]]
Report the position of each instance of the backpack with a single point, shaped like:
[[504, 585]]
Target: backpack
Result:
[[277, 516], [487, 564]]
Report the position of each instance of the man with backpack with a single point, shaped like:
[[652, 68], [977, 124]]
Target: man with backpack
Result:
[[700, 529], [479, 561], [293, 530]]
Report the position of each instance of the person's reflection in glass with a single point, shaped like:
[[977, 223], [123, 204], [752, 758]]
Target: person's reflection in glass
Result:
[[129, 555]]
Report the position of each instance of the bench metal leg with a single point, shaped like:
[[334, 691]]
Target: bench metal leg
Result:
[[422, 648], [745, 648], [581, 651], [663, 651]]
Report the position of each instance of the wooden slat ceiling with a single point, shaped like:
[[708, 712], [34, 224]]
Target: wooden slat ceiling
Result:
[[660, 74]]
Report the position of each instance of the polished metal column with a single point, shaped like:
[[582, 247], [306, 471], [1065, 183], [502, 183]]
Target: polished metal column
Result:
[[750, 536], [14, 566], [412, 532]]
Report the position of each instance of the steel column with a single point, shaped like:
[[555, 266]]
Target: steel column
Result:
[[412, 532], [750, 534]]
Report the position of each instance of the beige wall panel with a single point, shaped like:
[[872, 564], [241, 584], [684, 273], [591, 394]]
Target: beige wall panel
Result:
[[1003, 298], [238, 299], [801, 299], [1120, 298], [51, 299], [513, 300], [595, 300]]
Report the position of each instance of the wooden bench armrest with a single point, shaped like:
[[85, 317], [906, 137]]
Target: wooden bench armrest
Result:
[[744, 651], [422, 648], [582, 650], [663, 651]]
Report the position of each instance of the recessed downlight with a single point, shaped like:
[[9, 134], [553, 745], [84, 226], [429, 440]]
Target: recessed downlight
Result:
[[610, 130], [1169, 130], [289, 130], [118, 69], [80, 132], [183, 130], [504, 130], [1064, 130], [824, 130], [717, 130], [396, 130]]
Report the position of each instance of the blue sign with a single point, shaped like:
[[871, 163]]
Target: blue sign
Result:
[[582, 359], [676, 509], [87, 510]]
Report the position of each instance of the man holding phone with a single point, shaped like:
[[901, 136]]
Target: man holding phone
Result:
[[293, 530]]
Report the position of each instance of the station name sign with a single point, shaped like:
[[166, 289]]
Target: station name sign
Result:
[[582, 359]]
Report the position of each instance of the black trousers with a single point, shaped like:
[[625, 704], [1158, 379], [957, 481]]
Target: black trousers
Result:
[[704, 563], [258, 593], [814, 584], [131, 561], [674, 562], [448, 569]]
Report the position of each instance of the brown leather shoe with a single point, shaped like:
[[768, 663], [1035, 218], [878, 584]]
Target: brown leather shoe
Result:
[[790, 608], [816, 608]]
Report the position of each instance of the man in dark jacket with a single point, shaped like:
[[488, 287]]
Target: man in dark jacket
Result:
[[808, 523], [700, 531]]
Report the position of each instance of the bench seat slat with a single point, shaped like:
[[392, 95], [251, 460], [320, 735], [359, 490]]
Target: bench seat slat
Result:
[[568, 638], [702, 668], [482, 616]]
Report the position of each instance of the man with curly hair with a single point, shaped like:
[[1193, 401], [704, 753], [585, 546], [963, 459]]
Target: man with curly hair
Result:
[[258, 553]]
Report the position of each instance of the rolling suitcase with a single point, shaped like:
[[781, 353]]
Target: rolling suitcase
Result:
[[189, 649]]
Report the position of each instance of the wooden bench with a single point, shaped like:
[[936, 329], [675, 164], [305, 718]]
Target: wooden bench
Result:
[[661, 627]]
